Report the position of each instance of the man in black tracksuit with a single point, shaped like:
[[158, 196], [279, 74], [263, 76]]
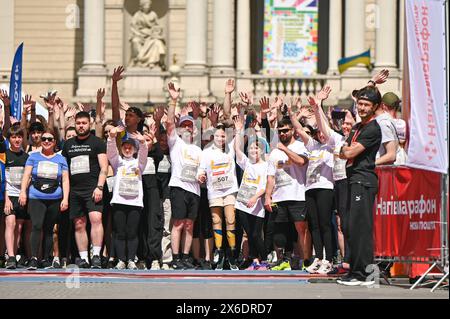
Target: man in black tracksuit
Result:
[[360, 151]]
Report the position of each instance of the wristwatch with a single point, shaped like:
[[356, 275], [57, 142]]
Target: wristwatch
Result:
[[371, 81], [100, 187]]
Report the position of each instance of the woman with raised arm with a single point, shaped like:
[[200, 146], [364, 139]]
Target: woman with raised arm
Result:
[[127, 200], [249, 205], [319, 183]]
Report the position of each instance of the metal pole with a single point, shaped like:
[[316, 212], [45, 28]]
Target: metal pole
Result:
[[439, 282], [423, 276]]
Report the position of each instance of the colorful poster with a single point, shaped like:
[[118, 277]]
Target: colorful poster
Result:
[[290, 37]]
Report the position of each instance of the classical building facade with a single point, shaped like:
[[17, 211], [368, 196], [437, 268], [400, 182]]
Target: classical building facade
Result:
[[74, 45]]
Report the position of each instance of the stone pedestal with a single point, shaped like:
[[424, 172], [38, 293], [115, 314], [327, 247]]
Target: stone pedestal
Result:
[[141, 85], [194, 84], [89, 81]]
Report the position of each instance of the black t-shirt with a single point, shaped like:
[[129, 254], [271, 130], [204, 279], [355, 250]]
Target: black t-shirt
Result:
[[150, 180], [82, 158], [363, 168], [14, 159], [14, 177]]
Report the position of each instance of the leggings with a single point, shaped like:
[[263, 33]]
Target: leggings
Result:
[[43, 214], [125, 230], [253, 226], [319, 203]]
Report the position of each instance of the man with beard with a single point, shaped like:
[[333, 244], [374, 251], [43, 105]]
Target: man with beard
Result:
[[86, 157], [286, 187], [185, 189]]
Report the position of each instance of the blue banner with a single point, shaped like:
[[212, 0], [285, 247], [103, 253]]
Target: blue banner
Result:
[[15, 84]]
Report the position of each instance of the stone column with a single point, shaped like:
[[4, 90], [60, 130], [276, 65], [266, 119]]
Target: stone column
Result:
[[401, 38], [6, 39], [196, 33], [194, 76], [222, 59], [354, 33], [243, 37], [93, 73], [386, 33], [335, 36], [94, 34]]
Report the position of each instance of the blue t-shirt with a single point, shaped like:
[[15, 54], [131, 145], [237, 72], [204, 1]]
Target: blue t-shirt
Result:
[[48, 168]]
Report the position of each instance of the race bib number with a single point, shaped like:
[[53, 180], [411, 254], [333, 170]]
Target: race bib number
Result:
[[79, 165], [15, 175], [189, 173], [339, 170], [110, 183], [150, 167], [313, 173], [282, 178], [222, 182], [164, 165], [245, 193], [129, 186], [47, 170]]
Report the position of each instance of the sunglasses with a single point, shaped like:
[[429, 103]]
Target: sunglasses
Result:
[[284, 131], [49, 139], [308, 132]]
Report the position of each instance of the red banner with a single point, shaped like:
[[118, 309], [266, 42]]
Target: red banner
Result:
[[407, 215]]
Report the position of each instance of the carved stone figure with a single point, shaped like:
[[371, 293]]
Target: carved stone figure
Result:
[[147, 44]]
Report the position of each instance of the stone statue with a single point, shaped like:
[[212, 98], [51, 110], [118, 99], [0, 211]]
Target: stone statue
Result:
[[147, 44]]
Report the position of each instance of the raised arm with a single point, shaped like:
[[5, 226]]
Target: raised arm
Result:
[[99, 113], [229, 88], [115, 100], [174, 96], [239, 129], [296, 124], [6, 106], [143, 150]]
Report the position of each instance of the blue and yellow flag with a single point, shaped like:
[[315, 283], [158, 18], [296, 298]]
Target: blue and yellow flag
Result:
[[363, 58]]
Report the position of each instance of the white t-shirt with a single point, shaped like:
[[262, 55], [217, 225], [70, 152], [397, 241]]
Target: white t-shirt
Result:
[[164, 164], [220, 170], [254, 179], [289, 178], [185, 160], [127, 189], [321, 162], [150, 168], [339, 171], [388, 132]]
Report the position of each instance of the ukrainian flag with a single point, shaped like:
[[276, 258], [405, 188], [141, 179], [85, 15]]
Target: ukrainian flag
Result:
[[363, 58]]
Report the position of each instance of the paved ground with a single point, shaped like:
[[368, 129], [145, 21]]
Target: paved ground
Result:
[[195, 285]]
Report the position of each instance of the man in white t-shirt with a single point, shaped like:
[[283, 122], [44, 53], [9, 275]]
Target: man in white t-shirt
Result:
[[387, 153], [184, 187], [286, 188]]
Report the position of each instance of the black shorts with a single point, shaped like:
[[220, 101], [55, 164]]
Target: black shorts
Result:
[[82, 203], [21, 212], [290, 211], [184, 204], [203, 223]]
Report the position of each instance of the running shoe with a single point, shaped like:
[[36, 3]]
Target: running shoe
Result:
[[155, 265], [96, 262], [221, 260], [325, 268], [111, 263], [205, 265], [32, 264], [314, 267], [141, 265], [56, 264], [83, 264], [165, 267], [120, 265], [263, 266], [253, 266], [132, 265], [233, 265], [11, 263], [46, 264], [177, 264], [284, 265], [188, 263], [349, 280]]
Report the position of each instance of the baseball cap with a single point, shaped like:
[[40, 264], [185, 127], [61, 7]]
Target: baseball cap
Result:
[[186, 118], [131, 141], [391, 99], [370, 94]]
